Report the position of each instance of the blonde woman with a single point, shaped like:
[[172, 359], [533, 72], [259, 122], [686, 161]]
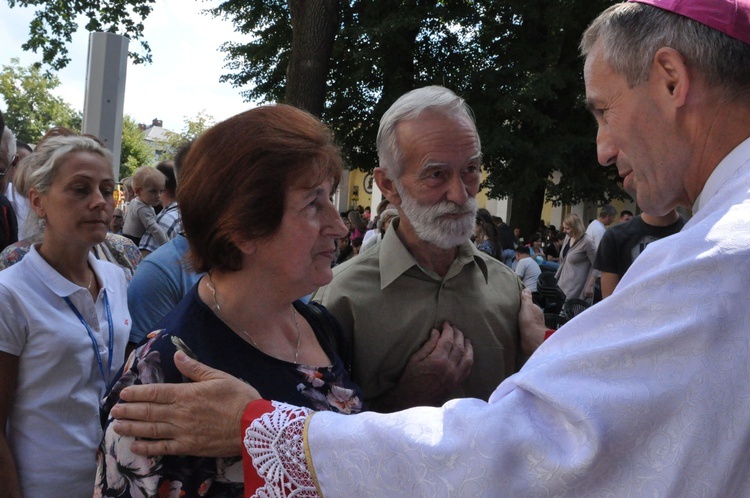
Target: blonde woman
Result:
[[64, 324], [576, 260]]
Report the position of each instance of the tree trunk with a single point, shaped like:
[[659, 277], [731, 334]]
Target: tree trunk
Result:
[[526, 213], [314, 27]]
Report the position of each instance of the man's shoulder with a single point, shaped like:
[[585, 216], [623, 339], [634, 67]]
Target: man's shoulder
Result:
[[490, 261], [496, 269], [363, 268], [528, 264], [596, 226], [173, 250], [169, 214], [623, 231]]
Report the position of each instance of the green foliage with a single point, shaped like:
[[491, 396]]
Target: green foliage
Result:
[[54, 22], [262, 62], [191, 130], [516, 62], [135, 151], [30, 107], [528, 96]]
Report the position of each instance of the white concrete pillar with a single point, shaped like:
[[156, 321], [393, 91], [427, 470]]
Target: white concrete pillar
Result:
[[105, 91]]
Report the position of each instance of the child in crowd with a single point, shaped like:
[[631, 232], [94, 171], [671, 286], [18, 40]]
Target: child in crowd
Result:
[[148, 184]]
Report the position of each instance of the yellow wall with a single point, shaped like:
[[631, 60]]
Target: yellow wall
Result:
[[357, 179], [549, 214]]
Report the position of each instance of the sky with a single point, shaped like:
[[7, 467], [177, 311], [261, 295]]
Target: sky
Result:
[[181, 82]]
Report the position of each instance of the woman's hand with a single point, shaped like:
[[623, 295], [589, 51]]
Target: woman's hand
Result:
[[201, 418]]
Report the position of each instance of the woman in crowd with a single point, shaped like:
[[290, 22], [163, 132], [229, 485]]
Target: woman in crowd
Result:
[[357, 223], [535, 247], [384, 219], [552, 251], [64, 324], [114, 248], [267, 240], [576, 260], [485, 234], [344, 250]]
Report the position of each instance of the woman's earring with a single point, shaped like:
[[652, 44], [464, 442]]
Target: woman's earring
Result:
[[42, 223]]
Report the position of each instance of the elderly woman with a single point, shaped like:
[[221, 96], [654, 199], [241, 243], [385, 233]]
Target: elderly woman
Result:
[[255, 199], [576, 260], [64, 324]]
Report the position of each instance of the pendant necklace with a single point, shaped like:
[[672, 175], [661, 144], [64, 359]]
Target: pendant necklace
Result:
[[221, 314]]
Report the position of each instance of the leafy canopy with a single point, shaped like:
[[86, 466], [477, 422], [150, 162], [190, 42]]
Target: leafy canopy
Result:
[[30, 107], [134, 151], [516, 63], [55, 21]]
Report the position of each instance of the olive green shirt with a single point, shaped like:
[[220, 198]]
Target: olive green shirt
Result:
[[387, 306]]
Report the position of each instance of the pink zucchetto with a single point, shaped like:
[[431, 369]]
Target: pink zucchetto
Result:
[[731, 17]]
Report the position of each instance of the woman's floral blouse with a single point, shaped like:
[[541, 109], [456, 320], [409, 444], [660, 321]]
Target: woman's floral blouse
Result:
[[193, 328]]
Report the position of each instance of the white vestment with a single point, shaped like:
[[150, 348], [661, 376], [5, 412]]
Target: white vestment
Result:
[[645, 394]]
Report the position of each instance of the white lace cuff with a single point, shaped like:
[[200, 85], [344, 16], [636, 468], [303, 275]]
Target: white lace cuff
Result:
[[275, 442]]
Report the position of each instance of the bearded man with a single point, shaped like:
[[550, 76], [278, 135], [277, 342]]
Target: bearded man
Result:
[[393, 300]]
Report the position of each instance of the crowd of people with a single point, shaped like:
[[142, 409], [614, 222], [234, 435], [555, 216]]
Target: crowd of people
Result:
[[227, 332]]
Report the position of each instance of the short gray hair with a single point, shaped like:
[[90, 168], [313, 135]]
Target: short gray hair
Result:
[[409, 106], [39, 169], [631, 34], [607, 210], [387, 215]]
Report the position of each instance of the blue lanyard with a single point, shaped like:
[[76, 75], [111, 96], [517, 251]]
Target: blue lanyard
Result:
[[106, 378]]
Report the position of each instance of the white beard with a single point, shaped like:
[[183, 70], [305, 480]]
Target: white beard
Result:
[[445, 233]]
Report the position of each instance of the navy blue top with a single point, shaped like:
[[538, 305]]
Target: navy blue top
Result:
[[194, 327]]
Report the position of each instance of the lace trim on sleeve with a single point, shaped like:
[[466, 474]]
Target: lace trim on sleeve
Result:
[[275, 442]]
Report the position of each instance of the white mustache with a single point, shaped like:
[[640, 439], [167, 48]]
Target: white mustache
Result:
[[448, 207]]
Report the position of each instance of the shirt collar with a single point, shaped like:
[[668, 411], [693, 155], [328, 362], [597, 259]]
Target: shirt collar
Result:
[[722, 173], [395, 259], [170, 207], [58, 284]]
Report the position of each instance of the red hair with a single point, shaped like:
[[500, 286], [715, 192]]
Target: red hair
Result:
[[235, 178]]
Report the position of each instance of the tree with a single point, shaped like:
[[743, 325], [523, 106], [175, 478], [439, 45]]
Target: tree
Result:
[[134, 151], [543, 126], [191, 130], [31, 108], [289, 57], [55, 21], [314, 27], [516, 62]]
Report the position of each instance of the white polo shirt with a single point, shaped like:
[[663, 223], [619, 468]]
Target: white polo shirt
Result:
[[53, 425]]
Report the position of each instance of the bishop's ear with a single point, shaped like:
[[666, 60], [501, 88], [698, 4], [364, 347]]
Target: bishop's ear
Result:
[[671, 74]]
